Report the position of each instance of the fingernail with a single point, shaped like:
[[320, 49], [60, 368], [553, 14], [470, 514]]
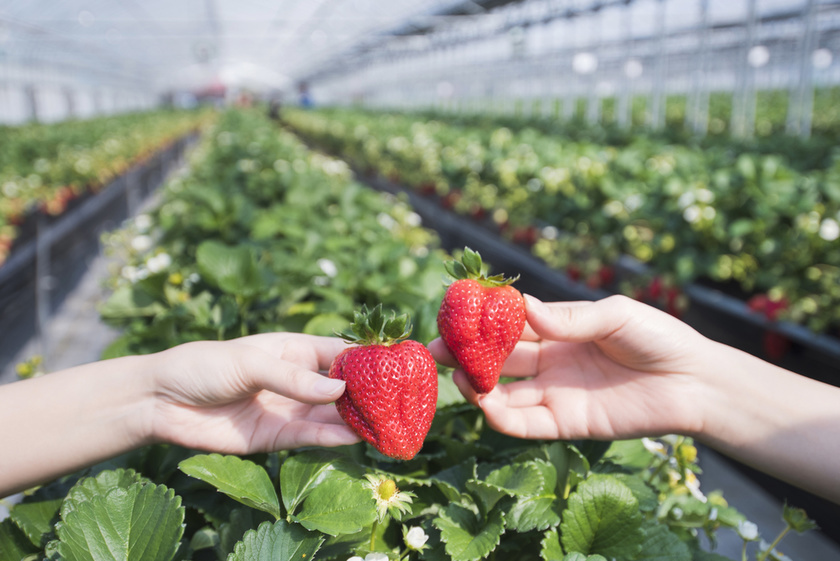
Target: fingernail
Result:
[[329, 387], [535, 305]]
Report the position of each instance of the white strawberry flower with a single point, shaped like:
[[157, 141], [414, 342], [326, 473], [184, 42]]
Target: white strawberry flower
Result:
[[355, 558], [829, 230], [654, 447], [129, 273], [141, 243], [747, 530], [328, 267], [376, 557], [693, 486], [159, 262], [386, 221], [143, 222], [416, 538], [387, 495]]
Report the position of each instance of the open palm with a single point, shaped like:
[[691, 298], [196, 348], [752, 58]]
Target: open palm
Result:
[[610, 369]]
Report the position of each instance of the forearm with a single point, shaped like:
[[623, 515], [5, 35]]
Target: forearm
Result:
[[779, 422], [61, 422]]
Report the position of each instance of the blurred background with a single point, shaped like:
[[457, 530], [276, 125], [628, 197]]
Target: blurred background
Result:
[[741, 66], [677, 151]]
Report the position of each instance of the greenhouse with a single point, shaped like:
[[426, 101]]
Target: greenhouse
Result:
[[550, 280]]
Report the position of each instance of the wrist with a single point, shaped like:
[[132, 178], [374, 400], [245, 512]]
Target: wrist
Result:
[[137, 375]]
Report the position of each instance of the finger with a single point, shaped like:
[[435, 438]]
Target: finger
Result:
[[523, 361], [579, 321], [536, 422], [310, 351], [523, 393], [441, 353], [460, 379], [261, 371], [304, 433]]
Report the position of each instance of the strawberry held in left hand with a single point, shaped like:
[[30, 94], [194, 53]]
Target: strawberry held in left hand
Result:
[[481, 319], [391, 384]]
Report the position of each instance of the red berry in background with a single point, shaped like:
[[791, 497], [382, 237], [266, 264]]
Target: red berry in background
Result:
[[606, 274], [478, 212], [775, 345], [480, 319], [573, 272], [775, 307], [655, 289], [525, 235], [758, 303], [391, 384]]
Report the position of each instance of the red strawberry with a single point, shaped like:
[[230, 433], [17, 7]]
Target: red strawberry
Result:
[[391, 392], [480, 319]]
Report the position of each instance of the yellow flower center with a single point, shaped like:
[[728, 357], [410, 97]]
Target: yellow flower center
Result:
[[387, 489]]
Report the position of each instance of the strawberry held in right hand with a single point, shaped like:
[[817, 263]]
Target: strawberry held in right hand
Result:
[[481, 319]]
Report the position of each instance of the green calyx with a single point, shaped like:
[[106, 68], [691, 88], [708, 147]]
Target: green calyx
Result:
[[471, 267], [371, 327]]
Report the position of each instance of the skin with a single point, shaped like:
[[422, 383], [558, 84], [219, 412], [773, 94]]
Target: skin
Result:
[[260, 393], [616, 369]]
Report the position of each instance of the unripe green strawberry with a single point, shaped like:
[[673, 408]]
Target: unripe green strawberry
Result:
[[391, 384], [480, 319]]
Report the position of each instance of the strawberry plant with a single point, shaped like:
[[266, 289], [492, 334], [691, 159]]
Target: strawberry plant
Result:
[[211, 262], [43, 168], [748, 218]]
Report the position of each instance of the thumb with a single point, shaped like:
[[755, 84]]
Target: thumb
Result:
[[578, 322], [260, 370]]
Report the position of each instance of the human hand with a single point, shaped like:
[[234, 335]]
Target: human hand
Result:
[[254, 394], [610, 369]]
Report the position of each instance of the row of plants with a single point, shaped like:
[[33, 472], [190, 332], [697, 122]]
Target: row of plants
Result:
[[44, 167], [749, 222], [262, 235]]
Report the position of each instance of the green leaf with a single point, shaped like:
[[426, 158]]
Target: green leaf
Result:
[[539, 511], [648, 501], [571, 466], [472, 261], [141, 522], [602, 517], [91, 487], [14, 544], [239, 479], [205, 538], [303, 472], [130, 302], [232, 269], [582, 557], [514, 480], [326, 324], [550, 549], [467, 537], [241, 520], [798, 519], [453, 481], [338, 504], [36, 519], [277, 542], [662, 545]]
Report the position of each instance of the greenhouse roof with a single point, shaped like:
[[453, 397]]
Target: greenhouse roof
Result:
[[165, 45]]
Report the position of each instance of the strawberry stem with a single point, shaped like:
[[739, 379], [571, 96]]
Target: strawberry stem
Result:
[[472, 267], [372, 327]]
